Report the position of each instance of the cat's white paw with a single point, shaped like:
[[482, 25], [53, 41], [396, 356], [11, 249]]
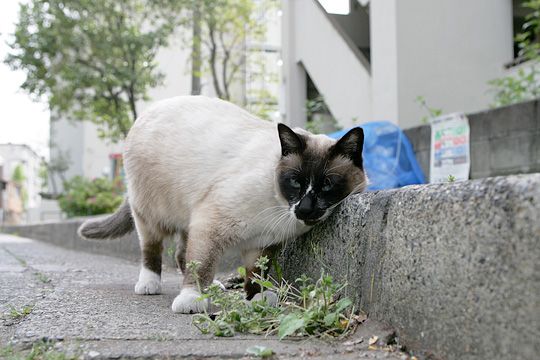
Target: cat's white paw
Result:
[[187, 302], [149, 283], [270, 296]]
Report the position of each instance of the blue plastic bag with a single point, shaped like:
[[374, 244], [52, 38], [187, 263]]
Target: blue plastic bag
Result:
[[389, 159]]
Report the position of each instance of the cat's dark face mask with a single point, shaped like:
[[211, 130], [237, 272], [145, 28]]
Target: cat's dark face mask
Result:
[[315, 179]]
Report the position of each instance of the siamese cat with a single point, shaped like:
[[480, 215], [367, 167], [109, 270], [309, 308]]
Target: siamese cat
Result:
[[208, 172]]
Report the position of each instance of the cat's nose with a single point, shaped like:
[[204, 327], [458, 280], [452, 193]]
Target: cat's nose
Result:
[[305, 209]]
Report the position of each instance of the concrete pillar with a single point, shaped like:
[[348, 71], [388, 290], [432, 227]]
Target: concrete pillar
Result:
[[384, 59], [293, 74]]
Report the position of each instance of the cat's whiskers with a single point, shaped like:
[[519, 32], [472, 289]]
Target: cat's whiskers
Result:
[[272, 225]]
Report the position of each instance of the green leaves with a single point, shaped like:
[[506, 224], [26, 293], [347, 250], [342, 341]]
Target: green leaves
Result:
[[523, 84], [92, 60], [312, 309], [84, 197], [290, 324]]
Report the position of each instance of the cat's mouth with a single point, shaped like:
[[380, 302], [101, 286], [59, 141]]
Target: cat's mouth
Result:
[[312, 222]]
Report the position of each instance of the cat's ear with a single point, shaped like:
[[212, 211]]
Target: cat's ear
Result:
[[350, 146], [291, 142]]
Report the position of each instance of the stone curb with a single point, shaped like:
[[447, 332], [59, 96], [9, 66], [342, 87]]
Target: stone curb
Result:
[[454, 267]]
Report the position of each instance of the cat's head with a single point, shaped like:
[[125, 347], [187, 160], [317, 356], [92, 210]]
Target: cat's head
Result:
[[315, 173]]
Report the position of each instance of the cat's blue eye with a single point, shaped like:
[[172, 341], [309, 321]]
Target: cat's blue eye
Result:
[[327, 186], [294, 183]]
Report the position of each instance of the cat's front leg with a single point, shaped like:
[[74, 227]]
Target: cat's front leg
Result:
[[252, 289], [204, 246]]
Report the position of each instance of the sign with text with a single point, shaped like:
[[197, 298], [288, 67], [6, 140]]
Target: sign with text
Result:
[[450, 148]]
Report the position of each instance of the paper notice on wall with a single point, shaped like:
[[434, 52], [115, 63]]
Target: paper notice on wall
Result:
[[450, 148]]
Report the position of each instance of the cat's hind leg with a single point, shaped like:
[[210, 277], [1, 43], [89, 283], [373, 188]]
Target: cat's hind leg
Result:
[[151, 243]]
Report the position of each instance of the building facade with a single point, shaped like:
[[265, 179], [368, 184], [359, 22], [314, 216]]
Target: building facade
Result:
[[21, 200], [372, 63]]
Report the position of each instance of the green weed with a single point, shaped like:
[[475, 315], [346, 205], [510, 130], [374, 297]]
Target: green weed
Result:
[[42, 277], [259, 351], [18, 314], [39, 351], [307, 308]]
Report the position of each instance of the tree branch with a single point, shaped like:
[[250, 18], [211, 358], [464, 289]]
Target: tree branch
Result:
[[213, 50]]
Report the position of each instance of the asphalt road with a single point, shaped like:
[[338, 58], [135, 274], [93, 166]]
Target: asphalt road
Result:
[[85, 305]]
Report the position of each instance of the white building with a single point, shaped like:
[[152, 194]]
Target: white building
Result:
[[14, 155], [372, 63]]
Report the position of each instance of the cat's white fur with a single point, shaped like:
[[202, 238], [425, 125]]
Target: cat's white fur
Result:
[[189, 160]]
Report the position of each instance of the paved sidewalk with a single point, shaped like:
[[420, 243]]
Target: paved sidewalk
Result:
[[86, 304]]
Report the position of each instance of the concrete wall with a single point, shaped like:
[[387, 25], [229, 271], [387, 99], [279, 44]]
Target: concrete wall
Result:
[[337, 67], [64, 234], [384, 60], [453, 267], [448, 51], [444, 50], [503, 141]]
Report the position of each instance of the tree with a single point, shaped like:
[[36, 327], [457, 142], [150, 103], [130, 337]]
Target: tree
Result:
[[92, 59], [221, 29], [525, 84]]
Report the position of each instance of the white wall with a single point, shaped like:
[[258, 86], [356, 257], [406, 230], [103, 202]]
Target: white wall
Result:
[[332, 63], [447, 51], [384, 59]]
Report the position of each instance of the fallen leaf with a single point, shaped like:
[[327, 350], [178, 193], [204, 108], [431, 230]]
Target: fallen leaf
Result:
[[373, 339]]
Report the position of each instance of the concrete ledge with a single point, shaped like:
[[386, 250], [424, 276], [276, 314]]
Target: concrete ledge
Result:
[[453, 267], [64, 233]]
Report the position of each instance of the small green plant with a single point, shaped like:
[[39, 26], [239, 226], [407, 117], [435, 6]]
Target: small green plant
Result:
[[432, 112], [42, 277], [451, 178], [259, 351], [19, 314], [525, 83], [307, 308], [41, 350], [83, 197]]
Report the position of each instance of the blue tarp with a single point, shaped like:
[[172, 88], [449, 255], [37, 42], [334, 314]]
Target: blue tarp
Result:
[[389, 159]]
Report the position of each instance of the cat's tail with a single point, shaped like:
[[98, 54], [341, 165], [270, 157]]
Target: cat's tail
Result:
[[111, 227]]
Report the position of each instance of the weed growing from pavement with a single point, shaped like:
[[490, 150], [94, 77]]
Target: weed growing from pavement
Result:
[[40, 351], [305, 308], [42, 277], [18, 314]]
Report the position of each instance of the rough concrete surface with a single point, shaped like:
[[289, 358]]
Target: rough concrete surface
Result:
[[85, 303], [454, 267], [64, 233]]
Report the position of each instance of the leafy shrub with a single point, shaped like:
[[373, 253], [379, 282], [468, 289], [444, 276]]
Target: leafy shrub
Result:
[[83, 197], [525, 84]]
